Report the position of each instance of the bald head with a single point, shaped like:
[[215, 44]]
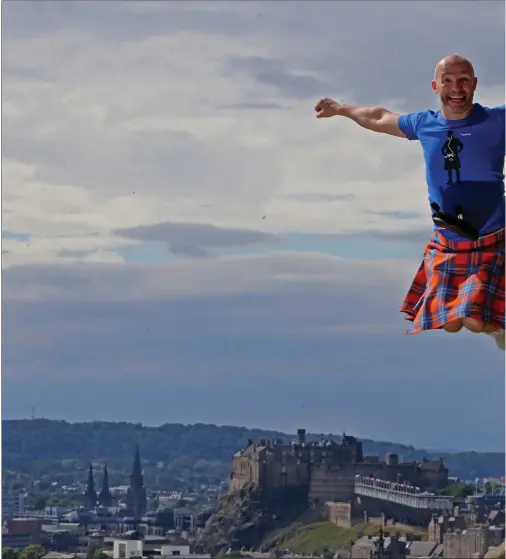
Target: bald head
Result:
[[454, 82], [453, 60]]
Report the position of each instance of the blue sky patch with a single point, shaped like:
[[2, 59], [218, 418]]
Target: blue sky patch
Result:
[[10, 235]]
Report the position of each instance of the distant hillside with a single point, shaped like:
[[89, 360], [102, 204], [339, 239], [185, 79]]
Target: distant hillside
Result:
[[171, 454]]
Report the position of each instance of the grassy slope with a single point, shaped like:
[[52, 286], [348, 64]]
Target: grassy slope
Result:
[[317, 536]]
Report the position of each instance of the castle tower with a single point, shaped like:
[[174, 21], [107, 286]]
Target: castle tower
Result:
[[105, 497], [136, 495], [90, 497]]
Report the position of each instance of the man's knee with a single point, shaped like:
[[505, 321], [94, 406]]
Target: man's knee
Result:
[[454, 326], [474, 325]]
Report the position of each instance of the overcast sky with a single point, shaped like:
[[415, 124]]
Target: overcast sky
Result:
[[184, 242]]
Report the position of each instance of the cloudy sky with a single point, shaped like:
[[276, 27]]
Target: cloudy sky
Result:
[[184, 242]]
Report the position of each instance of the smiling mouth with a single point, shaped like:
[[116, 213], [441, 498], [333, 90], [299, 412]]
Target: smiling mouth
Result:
[[458, 100]]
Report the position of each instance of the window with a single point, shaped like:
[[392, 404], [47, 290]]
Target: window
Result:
[[122, 550]]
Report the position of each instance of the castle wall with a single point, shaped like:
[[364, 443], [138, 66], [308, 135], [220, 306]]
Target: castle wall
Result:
[[409, 473], [433, 480], [394, 512], [246, 469], [331, 484], [239, 476], [285, 473]]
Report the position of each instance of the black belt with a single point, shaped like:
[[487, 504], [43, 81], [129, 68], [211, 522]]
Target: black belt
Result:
[[456, 224]]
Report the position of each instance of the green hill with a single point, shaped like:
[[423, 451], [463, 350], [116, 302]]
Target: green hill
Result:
[[325, 536], [172, 454]]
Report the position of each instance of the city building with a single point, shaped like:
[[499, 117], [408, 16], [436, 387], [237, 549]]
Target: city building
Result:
[[12, 505]]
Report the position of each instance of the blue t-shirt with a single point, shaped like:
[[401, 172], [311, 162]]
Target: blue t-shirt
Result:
[[464, 162]]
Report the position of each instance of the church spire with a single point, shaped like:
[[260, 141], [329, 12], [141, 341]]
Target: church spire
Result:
[[105, 497], [90, 495], [137, 477], [136, 494]]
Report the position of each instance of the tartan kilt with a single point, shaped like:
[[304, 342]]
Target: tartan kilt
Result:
[[458, 279]]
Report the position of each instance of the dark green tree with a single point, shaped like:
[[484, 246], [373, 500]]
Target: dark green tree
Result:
[[458, 490], [33, 552], [98, 553], [10, 553], [41, 501]]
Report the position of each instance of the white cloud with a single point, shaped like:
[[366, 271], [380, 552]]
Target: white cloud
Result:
[[269, 273]]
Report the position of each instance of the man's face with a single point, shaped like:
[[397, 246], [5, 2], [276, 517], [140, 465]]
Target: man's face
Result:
[[455, 84]]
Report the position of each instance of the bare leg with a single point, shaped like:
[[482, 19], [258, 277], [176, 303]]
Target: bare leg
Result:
[[454, 326], [477, 326], [474, 325], [499, 337]]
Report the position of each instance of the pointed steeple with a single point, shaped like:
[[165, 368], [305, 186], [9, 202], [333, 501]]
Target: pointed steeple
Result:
[[136, 494], [137, 476], [105, 497], [90, 495]]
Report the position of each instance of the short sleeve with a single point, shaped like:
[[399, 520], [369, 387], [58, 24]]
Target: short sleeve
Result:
[[498, 112], [409, 124]]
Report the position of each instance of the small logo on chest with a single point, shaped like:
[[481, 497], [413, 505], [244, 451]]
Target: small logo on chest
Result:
[[465, 133]]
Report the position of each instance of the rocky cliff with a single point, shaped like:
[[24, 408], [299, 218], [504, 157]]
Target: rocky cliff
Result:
[[244, 518]]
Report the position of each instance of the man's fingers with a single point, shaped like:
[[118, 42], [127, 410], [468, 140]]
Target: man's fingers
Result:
[[322, 108]]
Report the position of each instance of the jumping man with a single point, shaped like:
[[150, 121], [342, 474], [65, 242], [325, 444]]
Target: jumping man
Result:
[[460, 283]]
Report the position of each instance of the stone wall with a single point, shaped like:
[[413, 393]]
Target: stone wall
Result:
[[340, 514], [331, 484], [393, 512], [245, 470], [286, 472], [458, 545]]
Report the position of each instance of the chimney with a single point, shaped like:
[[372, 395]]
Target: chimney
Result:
[[391, 459], [301, 436]]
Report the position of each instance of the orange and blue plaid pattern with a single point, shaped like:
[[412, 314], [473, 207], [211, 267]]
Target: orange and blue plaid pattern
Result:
[[458, 279]]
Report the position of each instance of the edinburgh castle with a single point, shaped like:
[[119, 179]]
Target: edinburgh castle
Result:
[[326, 470]]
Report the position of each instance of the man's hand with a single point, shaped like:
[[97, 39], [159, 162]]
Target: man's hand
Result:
[[376, 119], [326, 107]]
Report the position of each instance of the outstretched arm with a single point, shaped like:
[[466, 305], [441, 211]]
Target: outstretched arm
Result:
[[376, 119]]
